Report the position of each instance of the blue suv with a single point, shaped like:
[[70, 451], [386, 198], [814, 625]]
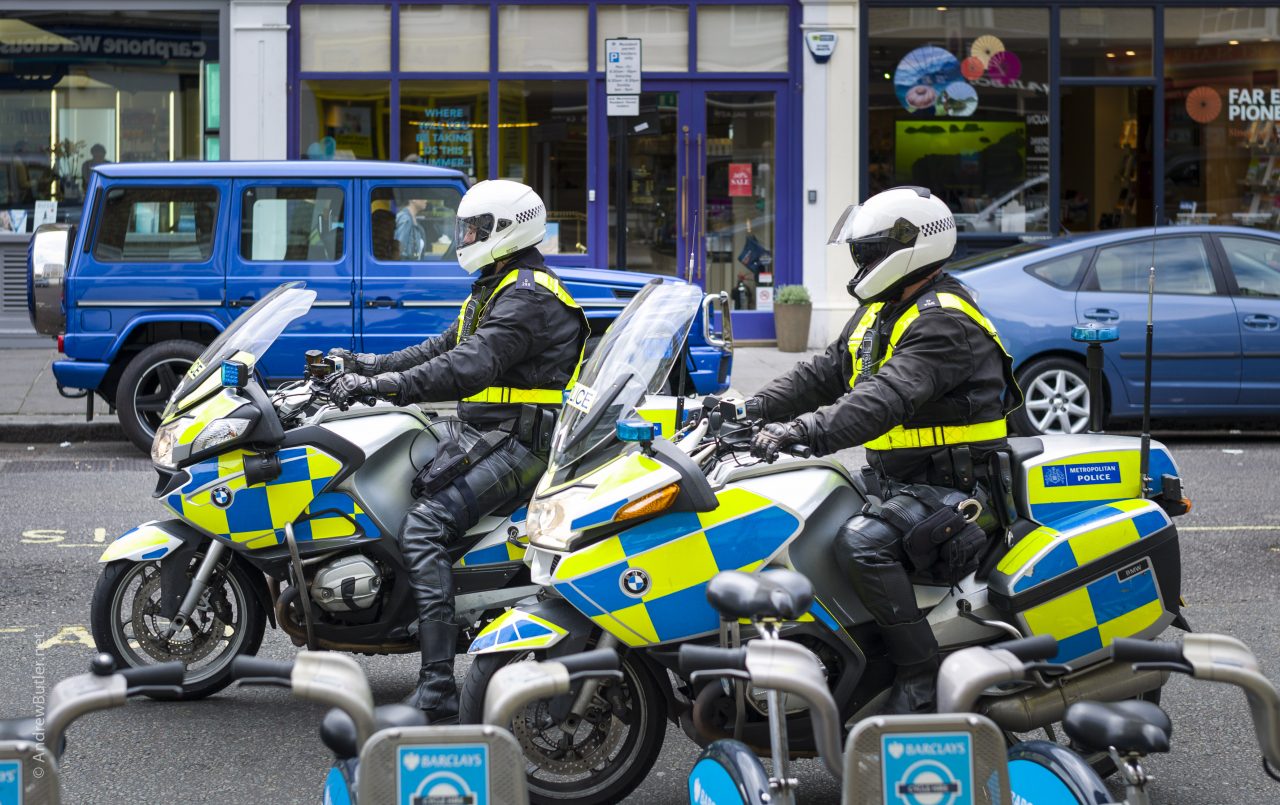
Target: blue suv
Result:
[[168, 254]]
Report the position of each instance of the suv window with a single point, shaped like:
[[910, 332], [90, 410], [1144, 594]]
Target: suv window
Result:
[[292, 223], [413, 223], [1256, 264], [157, 224], [1182, 266]]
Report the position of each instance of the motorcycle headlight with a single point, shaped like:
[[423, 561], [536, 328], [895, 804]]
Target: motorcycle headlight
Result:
[[550, 518], [219, 431], [165, 440]]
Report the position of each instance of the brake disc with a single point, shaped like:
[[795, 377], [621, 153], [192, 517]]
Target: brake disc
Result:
[[191, 644], [551, 750]]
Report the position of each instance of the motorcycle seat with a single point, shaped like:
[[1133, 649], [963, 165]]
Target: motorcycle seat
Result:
[[775, 595], [338, 731], [1132, 726]]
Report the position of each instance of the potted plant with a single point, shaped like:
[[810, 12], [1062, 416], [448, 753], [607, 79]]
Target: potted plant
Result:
[[791, 313]]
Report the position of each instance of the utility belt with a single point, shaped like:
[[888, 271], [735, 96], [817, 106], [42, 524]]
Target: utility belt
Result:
[[463, 447], [956, 468]]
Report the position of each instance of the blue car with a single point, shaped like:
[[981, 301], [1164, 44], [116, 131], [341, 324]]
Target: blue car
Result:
[[168, 254], [1217, 321]]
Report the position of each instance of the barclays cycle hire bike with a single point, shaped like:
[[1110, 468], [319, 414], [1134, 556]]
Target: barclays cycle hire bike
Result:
[[388, 756], [31, 748]]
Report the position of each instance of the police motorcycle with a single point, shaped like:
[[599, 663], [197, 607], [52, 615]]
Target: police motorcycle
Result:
[[628, 526], [31, 748], [285, 510], [388, 755]]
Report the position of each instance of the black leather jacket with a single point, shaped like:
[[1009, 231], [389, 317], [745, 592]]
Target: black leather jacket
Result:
[[944, 371], [526, 338]]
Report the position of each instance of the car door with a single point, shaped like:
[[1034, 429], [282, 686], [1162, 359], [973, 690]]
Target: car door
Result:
[[1254, 279], [411, 285], [1196, 365], [295, 229]]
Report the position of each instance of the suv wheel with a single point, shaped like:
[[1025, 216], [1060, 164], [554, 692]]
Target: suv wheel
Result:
[[145, 386]]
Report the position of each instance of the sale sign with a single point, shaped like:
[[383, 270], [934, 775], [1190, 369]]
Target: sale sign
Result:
[[739, 178]]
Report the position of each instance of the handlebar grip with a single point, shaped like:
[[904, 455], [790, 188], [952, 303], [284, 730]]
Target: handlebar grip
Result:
[[711, 658], [1126, 649], [260, 668], [166, 674], [1040, 647], [800, 450], [600, 661]]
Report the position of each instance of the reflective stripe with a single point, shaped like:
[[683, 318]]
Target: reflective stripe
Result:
[[939, 435], [505, 395]]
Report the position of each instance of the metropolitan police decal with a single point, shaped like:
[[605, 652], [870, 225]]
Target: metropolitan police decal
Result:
[[927, 768], [443, 775], [1104, 472]]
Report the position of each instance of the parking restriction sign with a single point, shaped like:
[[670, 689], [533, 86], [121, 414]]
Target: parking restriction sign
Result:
[[622, 66]]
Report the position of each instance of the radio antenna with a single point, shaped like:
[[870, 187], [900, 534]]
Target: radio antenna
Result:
[[1145, 452]]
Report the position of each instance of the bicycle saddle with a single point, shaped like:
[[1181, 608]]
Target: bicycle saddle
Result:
[[338, 731], [778, 595], [1132, 726]]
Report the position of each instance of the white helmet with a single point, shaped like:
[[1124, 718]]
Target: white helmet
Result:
[[496, 219], [896, 237]]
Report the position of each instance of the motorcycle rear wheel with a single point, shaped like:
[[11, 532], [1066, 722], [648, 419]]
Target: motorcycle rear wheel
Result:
[[126, 624], [555, 781]]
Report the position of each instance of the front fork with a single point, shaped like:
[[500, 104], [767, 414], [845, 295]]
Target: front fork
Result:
[[199, 585], [569, 726]]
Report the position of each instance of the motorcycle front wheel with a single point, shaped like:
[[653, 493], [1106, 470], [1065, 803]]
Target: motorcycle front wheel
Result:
[[126, 623], [606, 757]]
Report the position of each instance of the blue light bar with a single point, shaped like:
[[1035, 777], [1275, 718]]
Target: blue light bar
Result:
[[1094, 332], [637, 430], [234, 374]]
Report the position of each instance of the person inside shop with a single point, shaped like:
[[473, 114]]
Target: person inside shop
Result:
[[409, 232], [515, 347], [97, 156], [919, 378]]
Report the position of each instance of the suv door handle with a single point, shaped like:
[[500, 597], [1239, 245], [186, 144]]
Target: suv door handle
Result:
[[381, 301], [1101, 314], [1258, 321], [244, 301]]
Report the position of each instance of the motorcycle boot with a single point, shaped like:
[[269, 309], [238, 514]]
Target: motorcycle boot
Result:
[[914, 650], [428, 529], [437, 691]]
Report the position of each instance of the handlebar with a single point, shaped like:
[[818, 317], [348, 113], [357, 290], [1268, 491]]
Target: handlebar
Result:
[[1029, 649], [261, 671], [168, 674], [591, 663], [1124, 649], [696, 659]]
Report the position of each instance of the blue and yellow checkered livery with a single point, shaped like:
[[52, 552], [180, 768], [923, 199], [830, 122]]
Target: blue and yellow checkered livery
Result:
[[496, 550], [648, 584], [219, 501], [1117, 594], [1066, 484]]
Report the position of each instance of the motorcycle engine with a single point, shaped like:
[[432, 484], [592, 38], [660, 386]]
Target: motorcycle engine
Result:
[[346, 585]]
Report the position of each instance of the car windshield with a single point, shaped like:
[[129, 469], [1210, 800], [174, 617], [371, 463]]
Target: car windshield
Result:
[[252, 334], [633, 359], [985, 258]]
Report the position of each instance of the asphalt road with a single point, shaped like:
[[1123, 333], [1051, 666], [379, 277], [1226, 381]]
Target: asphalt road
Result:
[[59, 506]]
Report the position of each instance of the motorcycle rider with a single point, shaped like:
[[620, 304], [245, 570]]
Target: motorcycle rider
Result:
[[920, 378], [514, 349]]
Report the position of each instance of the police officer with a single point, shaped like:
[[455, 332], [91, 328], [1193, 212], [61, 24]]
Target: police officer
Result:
[[508, 358], [920, 379]]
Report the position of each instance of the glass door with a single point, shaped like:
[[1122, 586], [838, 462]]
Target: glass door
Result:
[[1106, 157]]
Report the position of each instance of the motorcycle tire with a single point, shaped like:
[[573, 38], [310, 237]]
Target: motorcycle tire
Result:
[[102, 615], [621, 775]]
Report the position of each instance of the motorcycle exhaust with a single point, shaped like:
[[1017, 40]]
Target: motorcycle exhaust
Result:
[[1039, 707]]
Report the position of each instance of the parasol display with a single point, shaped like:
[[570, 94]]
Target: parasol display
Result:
[[1204, 104], [973, 68], [1004, 68], [958, 99], [921, 74], [984, 47]]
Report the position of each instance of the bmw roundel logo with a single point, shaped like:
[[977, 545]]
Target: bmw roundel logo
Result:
[[634, 582], [221, 497]]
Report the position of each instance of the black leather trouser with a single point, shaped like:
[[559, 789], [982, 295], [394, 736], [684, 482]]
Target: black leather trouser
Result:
[[435, 522]]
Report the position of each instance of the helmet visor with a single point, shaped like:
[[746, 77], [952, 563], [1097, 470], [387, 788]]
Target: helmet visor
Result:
[[870, 249], [474, 229]]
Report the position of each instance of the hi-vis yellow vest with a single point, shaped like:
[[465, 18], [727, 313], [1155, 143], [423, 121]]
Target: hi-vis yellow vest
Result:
[[505, 394], [901, 437]]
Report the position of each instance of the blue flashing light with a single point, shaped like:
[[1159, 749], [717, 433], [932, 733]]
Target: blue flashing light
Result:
[[638, 430], [1092, 332], [234, 374]]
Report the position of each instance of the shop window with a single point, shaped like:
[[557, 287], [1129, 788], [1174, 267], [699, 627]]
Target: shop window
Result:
[[542, 141], [1255, 264], [344, 119], [1222, 102], [664, 31], [1184, 267], [157, 224], [1106, 41], [734, 39], [1062, 272], [446, 39], [959, 104], [446, 124], [291, 223], [413, 223], [542, 38], [344, 39], [1106, 157]]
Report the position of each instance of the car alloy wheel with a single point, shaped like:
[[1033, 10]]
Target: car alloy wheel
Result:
[[1057, 401]]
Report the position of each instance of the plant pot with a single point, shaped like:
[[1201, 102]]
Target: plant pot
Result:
[[792, 325]]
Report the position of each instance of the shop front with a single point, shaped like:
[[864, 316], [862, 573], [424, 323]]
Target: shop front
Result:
[[1033, 120], [695, 173]]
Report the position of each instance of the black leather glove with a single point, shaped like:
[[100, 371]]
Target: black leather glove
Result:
[[347, 388], [361, 363], [775, 436]]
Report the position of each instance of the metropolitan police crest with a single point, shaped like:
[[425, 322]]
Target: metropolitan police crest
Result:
[[1055, 476]]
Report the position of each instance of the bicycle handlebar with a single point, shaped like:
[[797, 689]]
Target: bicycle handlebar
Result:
[[168, 674], [694, 659], [261, 670], [1124, 649], [1029, 649]]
